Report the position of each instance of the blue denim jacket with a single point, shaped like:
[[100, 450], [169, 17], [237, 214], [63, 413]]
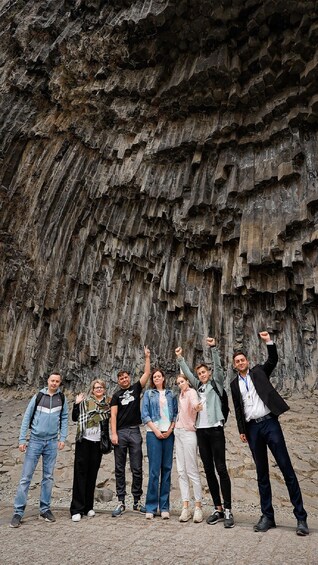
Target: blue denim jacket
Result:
[[150, 411]]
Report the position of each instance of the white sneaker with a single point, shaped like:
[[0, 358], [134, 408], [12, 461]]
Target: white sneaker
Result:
[[76, 517], [198, 515], [185, 515], [90, 514]]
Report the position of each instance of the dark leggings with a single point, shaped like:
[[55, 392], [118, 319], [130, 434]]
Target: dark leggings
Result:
[[211, 442]]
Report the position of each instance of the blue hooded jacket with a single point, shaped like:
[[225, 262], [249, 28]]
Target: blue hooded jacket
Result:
[[47, 423]]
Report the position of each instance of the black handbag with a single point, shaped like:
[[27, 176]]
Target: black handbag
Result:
[[105, 443]]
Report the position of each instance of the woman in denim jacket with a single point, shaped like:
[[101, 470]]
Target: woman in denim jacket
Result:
[[158, 413]]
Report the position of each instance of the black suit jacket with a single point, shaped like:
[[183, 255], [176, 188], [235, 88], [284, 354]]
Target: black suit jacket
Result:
[[260, 376]]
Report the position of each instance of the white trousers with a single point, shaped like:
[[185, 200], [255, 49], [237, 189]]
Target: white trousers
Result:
[[187, 464]]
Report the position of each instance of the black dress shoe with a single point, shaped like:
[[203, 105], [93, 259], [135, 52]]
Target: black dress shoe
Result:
[[302, 528], [264, 524]]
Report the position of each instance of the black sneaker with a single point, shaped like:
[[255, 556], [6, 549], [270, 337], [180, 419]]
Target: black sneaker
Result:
[[228, 519], [119, 510], [302, 528], [217, 516], [16, 521], [47, 516], [264, 524], [138, 507]]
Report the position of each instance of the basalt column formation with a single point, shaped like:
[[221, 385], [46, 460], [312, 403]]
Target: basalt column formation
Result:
[[159, 170]]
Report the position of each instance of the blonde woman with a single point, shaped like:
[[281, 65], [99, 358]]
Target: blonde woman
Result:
[[89, 414], [186, 450]]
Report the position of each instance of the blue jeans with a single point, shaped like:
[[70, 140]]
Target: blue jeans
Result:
[[160, 457], [36, 448], [268, 433]]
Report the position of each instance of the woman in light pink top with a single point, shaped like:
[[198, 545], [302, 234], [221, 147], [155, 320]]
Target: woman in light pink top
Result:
[[186, 450]]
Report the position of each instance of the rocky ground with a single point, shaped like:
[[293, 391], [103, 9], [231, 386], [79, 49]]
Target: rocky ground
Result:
[[300, 425]]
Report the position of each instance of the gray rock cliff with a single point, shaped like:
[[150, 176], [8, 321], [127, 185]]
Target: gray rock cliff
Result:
[[159, 171]]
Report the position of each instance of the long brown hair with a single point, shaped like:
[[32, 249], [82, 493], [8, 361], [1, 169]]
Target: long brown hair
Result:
[[151, 377]]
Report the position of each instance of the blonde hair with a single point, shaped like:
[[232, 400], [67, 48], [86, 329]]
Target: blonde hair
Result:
[[95, 382]]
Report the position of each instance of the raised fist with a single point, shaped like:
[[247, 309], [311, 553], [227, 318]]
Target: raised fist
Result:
[[265, 336], [178, 352]]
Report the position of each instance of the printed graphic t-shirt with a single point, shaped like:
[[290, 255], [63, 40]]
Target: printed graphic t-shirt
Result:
[[128, 402]]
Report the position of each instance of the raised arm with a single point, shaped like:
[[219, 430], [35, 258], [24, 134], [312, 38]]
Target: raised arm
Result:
[[145, 377], [217, 369], [185, 369], [272, 359], [76, 406]]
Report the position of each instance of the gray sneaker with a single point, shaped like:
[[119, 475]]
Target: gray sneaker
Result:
[[138, 507], [216, 516], [16, 521], [119, 510], [228, 519], [47, 516]]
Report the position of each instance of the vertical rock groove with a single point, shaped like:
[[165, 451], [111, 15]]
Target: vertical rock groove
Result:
[[159, 170]]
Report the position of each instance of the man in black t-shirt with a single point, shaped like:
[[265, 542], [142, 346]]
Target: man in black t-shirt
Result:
[[126, 436]]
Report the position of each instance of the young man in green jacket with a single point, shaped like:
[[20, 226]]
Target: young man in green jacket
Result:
[[210, 432]]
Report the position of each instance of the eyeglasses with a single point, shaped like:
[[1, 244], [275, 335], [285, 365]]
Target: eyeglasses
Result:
[[98, 388]]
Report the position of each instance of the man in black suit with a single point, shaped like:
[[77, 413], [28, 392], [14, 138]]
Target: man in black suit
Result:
[[257, 407]]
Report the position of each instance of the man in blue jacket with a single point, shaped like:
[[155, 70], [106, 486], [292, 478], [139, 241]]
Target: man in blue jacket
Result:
[[257, 408], [47, 418]]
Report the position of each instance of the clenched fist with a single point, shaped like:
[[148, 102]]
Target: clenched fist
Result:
[[178, 352]]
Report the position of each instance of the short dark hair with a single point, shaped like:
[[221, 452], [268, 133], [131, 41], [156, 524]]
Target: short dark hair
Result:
[[120, 373], [152, 374], [239, 352], [55, 372]]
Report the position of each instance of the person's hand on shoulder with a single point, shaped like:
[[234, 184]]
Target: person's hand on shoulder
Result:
[[210, 341]]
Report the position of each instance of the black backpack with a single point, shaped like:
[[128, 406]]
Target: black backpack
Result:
[[224, 400], [37, 400]]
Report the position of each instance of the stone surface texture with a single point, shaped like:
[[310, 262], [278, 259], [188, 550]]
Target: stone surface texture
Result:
[[133, 539], [158, 180]]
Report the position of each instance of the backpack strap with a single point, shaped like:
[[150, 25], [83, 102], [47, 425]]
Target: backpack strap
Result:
[[214, 385], [37, 401]]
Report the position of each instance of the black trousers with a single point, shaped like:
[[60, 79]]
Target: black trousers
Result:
[[86, 466], [211, 442], [269, 434]]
